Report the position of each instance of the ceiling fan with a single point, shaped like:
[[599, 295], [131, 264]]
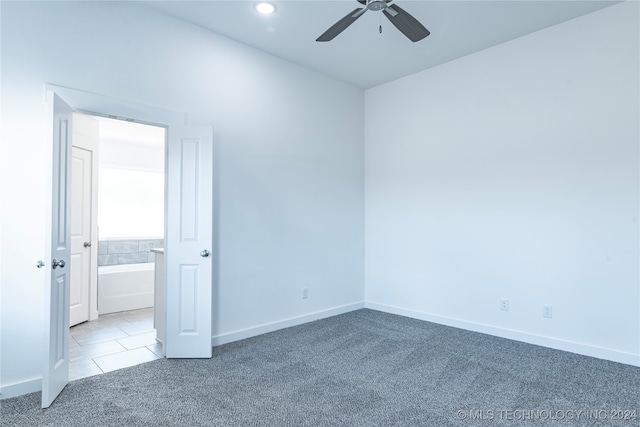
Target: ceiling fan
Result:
[[407, 24]]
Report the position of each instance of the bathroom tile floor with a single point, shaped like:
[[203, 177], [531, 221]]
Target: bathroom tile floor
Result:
[[113, 341]]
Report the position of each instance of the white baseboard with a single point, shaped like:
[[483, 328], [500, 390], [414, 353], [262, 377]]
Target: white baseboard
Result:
[[18, 389], [35, 385], [555, 343], [281, 324]]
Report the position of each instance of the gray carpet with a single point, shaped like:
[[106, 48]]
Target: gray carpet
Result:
[[363, 368]]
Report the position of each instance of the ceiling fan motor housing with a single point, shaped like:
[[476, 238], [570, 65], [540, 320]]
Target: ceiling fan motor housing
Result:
[[376, 4]]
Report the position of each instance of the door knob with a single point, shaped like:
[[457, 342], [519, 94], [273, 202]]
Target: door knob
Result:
[[40, 263], [55, 263], [204, 253], [87, 244]]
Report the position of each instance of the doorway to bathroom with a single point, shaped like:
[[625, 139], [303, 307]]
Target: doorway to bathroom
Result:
[[190, 251], [117, 220]]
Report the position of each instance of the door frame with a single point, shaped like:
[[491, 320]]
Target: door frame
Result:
[[102, 106], [99, 105]]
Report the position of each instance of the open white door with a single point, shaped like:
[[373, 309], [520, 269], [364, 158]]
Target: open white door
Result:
[[84, 224], [189, 242], [55, 374], [80, 266]]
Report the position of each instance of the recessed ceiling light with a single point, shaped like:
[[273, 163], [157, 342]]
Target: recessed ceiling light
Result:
[[265, 8]]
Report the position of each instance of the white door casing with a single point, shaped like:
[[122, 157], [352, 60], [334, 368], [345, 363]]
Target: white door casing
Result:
[[84, 222], [56, 302], [189, 242]]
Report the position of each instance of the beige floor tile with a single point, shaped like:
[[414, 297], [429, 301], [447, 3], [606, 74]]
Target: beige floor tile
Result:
[[73, 343], [83, 368], [112, 322], [142, 314], [137, 341], [156, 349], [113, 341], [100, 336], [78, 329], [138, 328], [125, 359], [96, 349]]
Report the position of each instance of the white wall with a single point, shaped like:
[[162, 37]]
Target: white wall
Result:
[[513, 173], [289, 161]]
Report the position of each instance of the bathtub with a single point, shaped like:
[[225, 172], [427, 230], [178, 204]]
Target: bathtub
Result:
[[125, 287]]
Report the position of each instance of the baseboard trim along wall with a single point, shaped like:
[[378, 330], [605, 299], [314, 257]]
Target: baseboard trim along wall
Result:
[[34, 385], [18, 389], [570, 346], [281, 324]]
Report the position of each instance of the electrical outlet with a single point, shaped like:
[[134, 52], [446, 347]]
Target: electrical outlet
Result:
[[305, 293], [547, 311], [504, 304]]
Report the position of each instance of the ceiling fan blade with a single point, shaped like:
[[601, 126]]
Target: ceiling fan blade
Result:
[[407, 24], [341, 25]]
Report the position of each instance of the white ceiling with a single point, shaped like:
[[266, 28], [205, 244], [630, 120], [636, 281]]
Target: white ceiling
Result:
[[361, 55]]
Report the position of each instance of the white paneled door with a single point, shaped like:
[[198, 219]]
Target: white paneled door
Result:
[[80, 235], [189, 242], [55, 374], [84, 230]]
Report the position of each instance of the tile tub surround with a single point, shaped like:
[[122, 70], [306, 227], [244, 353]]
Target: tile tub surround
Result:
[[127, 251]]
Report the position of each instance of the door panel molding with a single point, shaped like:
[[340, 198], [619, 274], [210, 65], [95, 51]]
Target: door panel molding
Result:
[[55, 374], [189, 268]]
